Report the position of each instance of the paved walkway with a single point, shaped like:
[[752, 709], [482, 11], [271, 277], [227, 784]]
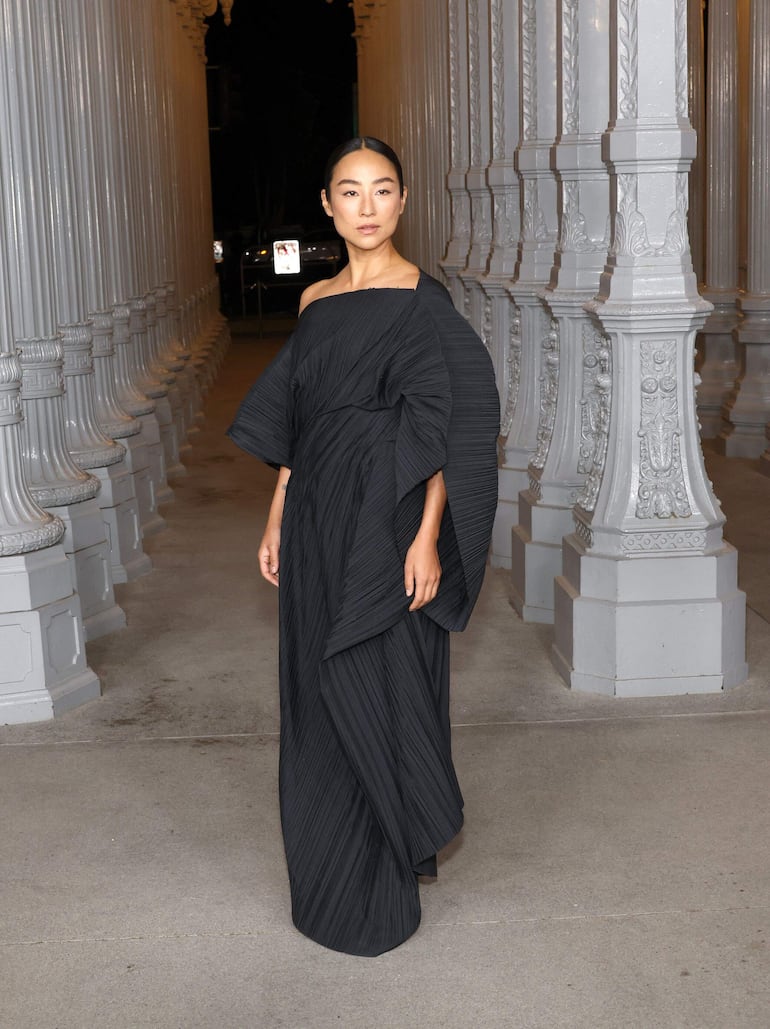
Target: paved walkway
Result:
[[613, 872]]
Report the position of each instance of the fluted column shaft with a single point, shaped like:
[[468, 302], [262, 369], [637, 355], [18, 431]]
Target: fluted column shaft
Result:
[[748, 409], [89, 445], [718, 366]]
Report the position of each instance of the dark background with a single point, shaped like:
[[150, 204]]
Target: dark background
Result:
[[281, 93]]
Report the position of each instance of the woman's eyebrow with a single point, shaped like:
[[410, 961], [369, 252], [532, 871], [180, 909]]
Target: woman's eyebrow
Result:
[[355, 182]]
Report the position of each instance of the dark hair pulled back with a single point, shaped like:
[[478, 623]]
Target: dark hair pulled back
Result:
[[362, 143]]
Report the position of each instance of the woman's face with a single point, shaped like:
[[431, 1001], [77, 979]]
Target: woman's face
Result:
[[364, 199]]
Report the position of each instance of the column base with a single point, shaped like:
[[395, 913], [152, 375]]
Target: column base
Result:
[[120, 511], [649, 626], [43, 671], [88, 552], [177, 471], [157, 484], [164, 496], [738, 443], [511, 481], [710, 422], [506, 517], [536, 556]]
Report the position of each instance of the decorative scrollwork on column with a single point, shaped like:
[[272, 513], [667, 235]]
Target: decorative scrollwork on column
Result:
[[595, 405], [570, 34], [512, 371], [498, 80], [487, 337], [528, 70], [474, 82], [504, 215], [481, 225], [677, 240], [454, 78], [628, 58], [682, 72], [534, 227], [461, 222], [594, 400], [10, 389], [662, 492], [631, 238], [574, 236], [549, 391], [660, 542]]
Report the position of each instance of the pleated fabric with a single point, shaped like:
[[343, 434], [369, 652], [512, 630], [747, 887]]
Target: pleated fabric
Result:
[[374, 392]]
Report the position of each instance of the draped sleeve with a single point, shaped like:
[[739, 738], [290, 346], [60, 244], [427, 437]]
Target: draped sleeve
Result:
[[470, 470], [263, 423]]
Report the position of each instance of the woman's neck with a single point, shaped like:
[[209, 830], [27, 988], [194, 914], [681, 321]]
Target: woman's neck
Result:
[[368, 268]]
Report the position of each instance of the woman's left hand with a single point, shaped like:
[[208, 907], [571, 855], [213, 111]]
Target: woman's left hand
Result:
[[422, 572]]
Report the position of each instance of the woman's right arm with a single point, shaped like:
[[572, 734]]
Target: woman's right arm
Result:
[[270, 547]]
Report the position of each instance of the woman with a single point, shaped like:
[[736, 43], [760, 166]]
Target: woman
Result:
[[381, 415]]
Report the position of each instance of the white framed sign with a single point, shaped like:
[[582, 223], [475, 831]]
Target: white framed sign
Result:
[[286, 257]]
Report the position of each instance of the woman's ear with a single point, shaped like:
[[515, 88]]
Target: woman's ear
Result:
[[403, 200], [325, 203]]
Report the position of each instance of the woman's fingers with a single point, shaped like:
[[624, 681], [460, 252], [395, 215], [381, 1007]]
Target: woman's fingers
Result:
[[409, 580], [422, 574], [268, 563], [425, 590]]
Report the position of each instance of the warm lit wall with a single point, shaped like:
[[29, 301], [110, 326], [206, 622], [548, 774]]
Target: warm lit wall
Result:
[[403, 99]]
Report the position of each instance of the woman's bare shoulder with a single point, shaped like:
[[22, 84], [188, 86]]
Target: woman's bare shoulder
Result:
[[314, 291], [404, 275]]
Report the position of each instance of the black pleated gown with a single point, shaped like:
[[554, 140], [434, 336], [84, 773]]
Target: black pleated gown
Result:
[[374, 392]]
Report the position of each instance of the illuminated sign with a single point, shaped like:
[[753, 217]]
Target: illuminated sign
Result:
[[286, 257]]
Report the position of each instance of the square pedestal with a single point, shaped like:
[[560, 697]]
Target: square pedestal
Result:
[[88, 552], [120, 513], [536, 545], [139, 458], [649, 626], [44, 670], [510, 482]]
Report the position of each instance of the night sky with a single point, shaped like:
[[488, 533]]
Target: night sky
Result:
[[281, 96]]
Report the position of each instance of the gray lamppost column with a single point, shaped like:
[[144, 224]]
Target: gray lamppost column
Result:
[[476, 305], [456, 257], [647, 603], [42, 620], [531, 320], [502, 315], [575, 359], [124, 290]]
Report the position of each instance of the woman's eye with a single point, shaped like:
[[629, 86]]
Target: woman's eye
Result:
[[349, 193], [384, 192]]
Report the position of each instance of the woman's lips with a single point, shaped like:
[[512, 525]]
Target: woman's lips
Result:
[[367, 230]]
